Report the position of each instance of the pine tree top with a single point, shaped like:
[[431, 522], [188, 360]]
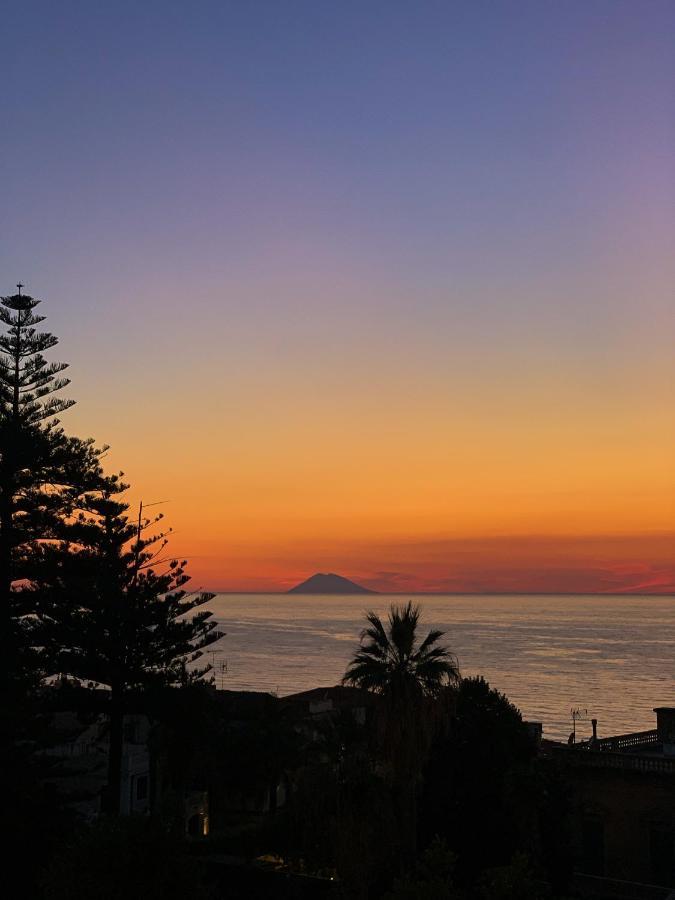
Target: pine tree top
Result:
[[20, 302], [27, 379]]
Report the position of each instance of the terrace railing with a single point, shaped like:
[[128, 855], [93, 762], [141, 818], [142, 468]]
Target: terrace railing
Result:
[[628, 741], [607, 759]]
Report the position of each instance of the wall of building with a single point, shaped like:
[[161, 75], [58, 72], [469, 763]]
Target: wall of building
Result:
[[624, 824]]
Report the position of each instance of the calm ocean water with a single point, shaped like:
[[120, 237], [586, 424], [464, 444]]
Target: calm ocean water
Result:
[[611, 655]]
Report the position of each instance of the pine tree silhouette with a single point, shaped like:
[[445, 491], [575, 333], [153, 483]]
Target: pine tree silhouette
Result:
[[115, 611], [43, 471]]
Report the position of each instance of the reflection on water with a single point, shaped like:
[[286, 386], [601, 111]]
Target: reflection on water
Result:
[[614, 656]]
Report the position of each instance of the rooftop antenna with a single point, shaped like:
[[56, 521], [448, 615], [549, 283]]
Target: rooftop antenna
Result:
[[221, 669], [576, 714], [223, 673]]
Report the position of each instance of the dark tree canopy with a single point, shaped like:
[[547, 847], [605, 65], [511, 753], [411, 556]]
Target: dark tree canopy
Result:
[[126, 858], [43, 471], [43, 474], [114, 611], [479, 764]]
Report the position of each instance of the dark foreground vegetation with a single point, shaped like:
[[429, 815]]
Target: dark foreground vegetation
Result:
[[405, 782]]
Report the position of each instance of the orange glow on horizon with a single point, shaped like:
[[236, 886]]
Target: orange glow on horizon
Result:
[[554, 485], [555, 564]]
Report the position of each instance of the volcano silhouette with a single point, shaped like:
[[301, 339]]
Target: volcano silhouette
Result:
[[329, 584]]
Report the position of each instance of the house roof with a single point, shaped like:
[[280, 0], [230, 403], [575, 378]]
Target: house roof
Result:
[[340, 696]]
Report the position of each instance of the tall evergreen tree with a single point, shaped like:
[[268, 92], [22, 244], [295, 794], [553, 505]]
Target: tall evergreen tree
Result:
[[114, 612], [42, 470]]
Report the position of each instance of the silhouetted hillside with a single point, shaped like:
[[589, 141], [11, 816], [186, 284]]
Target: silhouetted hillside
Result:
[[329, 584]]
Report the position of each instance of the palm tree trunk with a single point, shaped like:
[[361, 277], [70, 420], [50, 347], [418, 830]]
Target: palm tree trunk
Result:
[[405, 806]]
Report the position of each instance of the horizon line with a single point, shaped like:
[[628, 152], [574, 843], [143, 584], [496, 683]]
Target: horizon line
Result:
[[457, 593]]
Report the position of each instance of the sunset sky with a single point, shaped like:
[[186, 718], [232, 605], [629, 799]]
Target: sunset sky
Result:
[[379, 288]]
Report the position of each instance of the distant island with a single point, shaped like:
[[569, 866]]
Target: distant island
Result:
[[329, 584]]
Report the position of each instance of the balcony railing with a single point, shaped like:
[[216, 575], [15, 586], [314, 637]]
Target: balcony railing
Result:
[[606, 759], [627, 741]]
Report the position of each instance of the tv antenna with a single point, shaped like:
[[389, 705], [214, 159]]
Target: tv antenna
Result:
[[221, 668], [577, 715], [223, 673]]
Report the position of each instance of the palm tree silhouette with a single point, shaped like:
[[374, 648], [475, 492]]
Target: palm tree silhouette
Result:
[[392, 662], [412, 678]]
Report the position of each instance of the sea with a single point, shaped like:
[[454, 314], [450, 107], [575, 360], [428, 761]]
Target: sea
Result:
[[607, 657]]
